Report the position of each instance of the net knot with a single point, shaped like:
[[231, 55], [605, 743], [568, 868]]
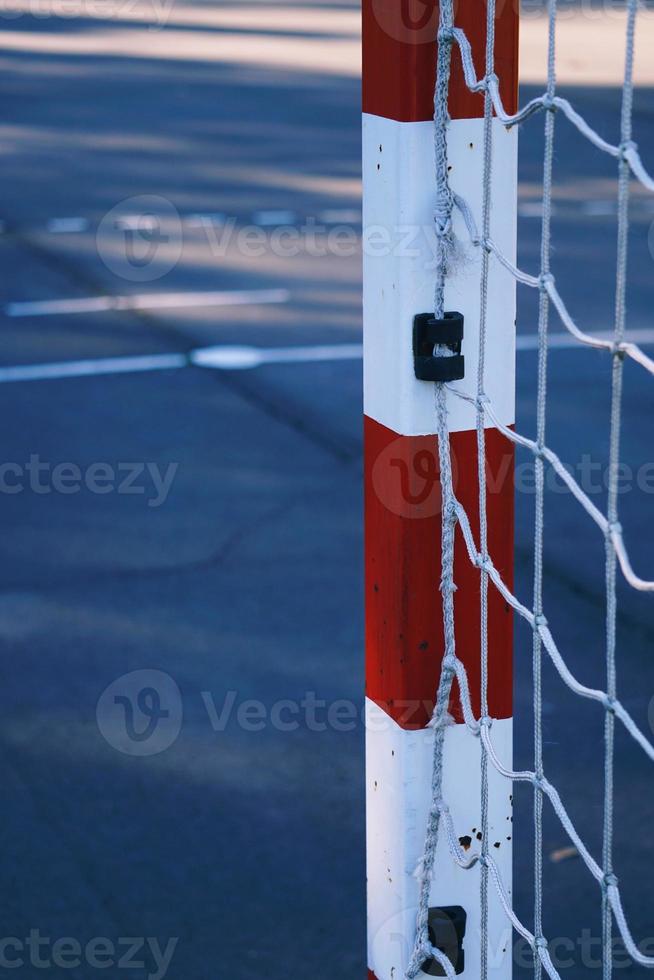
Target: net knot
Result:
[[549, 102], [540, 621], [610, 880], [540, 942], [545, 280], [614, 527], [446, 34], [627, 147], [482, 400], [483, 563], [485, 721], [538, 781], [610, 703], [449, 662], [490, 81], [619, 350]]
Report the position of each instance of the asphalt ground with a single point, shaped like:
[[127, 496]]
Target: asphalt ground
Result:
[[236, 567]]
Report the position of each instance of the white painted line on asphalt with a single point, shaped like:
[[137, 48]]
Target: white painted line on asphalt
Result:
[[147, 301], [269, 218], [90, 304], [233, 358], [62, 226], [137, 222], [599, 209], [202, 220], [342, 216], [530, 209], [81, 369], [241, 358], [246, 297]]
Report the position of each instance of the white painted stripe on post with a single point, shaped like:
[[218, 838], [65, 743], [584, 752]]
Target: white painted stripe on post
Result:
[[398, 244], [398, 779]]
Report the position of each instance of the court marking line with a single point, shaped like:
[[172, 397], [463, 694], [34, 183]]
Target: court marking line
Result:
[[267, 219], [146, 301], [202, 220], [234, 358], [96, 366], [62, 226], [329, 216]]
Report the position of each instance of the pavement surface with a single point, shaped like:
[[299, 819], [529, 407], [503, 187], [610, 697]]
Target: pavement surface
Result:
[[207, 523]]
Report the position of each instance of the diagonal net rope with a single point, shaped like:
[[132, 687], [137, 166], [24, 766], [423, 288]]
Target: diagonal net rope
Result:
[[439, 818]]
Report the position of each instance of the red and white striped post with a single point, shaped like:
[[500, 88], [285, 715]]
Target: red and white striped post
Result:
[[404, 630]]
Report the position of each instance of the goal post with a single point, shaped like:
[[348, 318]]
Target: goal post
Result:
[[403, 501]]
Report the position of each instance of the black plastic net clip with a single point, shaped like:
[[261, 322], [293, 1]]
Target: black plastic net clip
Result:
[[447, 929], [428, 333]]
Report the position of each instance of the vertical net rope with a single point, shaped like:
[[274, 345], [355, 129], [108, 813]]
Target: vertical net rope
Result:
[[629, 165]]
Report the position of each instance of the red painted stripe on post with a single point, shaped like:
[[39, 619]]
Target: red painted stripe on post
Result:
[[399, 58], [404, 625]]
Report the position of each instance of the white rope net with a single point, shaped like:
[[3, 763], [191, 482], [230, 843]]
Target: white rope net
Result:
[[629, 166]]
